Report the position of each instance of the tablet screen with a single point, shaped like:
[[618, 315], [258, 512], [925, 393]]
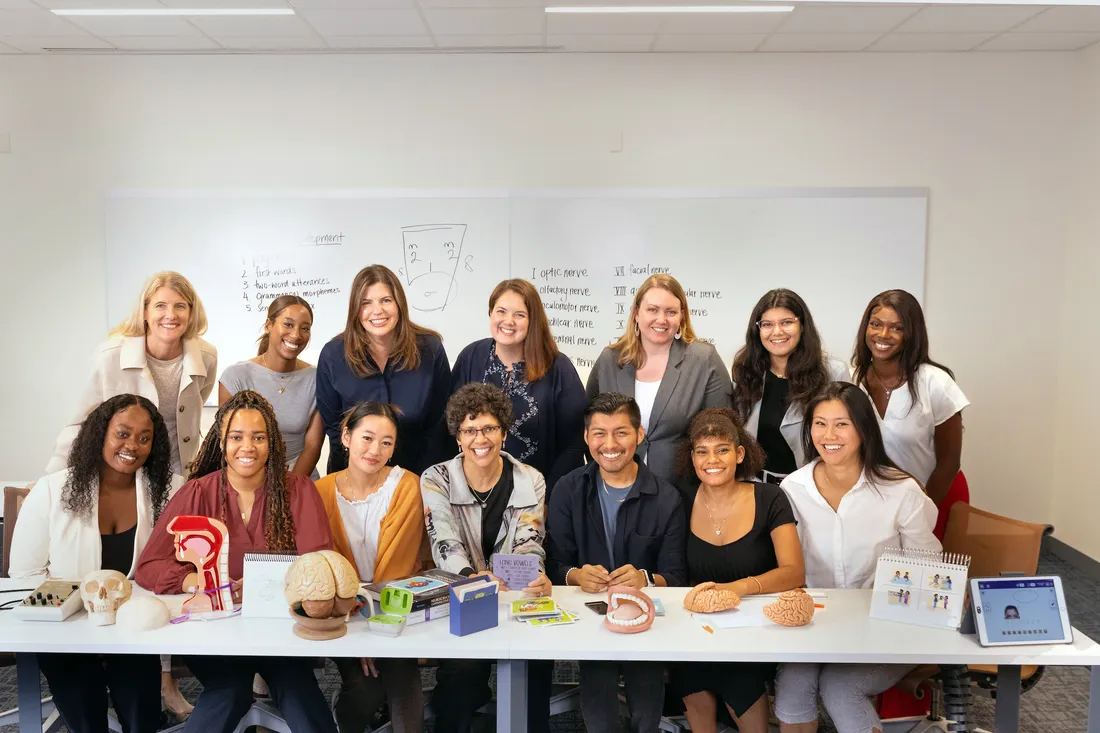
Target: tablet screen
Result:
[[1021, 610]]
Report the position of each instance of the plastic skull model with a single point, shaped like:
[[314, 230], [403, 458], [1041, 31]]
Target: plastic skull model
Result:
[[103, 592]]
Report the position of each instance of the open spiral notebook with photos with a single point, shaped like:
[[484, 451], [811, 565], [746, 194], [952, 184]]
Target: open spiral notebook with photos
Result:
[[920, 587]]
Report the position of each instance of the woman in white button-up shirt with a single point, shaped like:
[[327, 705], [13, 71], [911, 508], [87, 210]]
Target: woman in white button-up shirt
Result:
[[851, 502]]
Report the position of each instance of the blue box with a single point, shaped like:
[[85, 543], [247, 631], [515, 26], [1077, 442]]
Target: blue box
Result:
[[477, 613]]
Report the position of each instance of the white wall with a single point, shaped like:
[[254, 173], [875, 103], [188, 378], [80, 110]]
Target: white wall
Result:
[[989, 134], [1076, 495]]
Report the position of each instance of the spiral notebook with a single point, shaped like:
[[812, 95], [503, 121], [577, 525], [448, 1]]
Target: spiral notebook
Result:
[[264, 578], [921, 587]]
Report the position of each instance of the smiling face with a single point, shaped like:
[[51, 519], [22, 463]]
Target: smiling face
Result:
[[480, 439], [378, 311], [885, 335], [370, 443], [780, 331], [129, 440], [166, 316], [509, 319], [612, 440], [246, 445], [716, 460], [288, 334], [834, 434], [658, 318]]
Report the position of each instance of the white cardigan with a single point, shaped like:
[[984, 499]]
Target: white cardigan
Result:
[[121, 368], [49, 538]]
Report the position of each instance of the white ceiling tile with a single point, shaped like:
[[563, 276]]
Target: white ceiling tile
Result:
[[354, 4], [365, 22], [570, 23], [721, 23], [505, 41], [846, 19], [17, 5], [491, 21], [930, 41], [710, 43], [540, 4], [1063, 20], [1040, 42], [265, 43], [5, 48], [400, 41], [251, 26], [35, 23], [592, 42], [250, 4], [135, 25], [164, 43], [967, 19], [35, 44], [814, 42], [96, 4]]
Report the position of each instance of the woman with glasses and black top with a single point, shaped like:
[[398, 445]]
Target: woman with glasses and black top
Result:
[[922, 423], [776, 373]]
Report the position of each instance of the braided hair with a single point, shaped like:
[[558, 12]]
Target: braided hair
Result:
[[278, 521], [86, 457]]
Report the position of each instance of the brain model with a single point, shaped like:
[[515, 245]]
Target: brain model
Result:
[[793, 608], [322, 584], [708, 598]]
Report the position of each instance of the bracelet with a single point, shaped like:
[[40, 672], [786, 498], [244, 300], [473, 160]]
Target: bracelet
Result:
[[759, 585], [567, 575]]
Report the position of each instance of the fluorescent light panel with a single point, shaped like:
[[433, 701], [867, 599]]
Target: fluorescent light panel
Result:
[[174, 11], [674, 9]]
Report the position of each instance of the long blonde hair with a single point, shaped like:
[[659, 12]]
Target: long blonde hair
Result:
[[134, 324], [406, 352], [629, 345]]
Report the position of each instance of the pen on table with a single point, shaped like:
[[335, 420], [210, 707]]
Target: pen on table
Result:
[[707, 629]]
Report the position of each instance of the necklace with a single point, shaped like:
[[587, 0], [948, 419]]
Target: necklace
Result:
[[349, 488], [889, 390], [717, 527], [609, 496], [281, 381]]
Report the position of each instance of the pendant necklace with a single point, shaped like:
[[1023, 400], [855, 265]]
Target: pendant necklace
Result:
[[281, 382]]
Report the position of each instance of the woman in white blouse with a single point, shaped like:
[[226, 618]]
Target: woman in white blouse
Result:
[[921, 425], [850, 502]]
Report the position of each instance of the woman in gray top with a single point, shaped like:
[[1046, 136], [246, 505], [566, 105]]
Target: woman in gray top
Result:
[[286, 381], [661, 364]]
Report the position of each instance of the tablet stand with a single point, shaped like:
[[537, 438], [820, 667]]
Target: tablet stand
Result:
[[967, 624]]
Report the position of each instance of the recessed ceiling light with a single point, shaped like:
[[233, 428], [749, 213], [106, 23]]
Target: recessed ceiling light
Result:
[[674, 9], [174, 11]]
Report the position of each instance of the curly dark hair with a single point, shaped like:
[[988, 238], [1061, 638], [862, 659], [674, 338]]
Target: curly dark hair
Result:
[[806, 368], [479, 399], [723, 423], [278, 521], [86, 457]]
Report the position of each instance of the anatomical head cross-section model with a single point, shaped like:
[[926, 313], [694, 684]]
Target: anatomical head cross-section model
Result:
[[204, 542], [628, 610]]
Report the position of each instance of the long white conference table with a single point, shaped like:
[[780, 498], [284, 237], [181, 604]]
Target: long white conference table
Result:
[[842, 632]]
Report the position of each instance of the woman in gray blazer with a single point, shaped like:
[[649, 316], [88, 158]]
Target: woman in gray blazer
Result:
[[778, 370], [665, 368]]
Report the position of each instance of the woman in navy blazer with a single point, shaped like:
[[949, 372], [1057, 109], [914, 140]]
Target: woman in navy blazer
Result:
[[669, 373], [383, 356], [547, 396]]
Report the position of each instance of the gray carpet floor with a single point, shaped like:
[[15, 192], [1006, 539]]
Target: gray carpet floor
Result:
[[1058, 703]]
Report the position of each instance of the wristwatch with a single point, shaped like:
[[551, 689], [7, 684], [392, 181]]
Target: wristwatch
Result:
[[648, 578]]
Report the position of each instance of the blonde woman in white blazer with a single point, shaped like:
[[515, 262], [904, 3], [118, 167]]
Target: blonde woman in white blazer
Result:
[[156, 353], [97, 514], [776, 373]]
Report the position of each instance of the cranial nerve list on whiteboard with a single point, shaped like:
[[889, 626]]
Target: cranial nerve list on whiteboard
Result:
[[586, 252]]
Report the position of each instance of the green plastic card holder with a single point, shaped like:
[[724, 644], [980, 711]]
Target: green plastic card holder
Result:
[[395, 604]]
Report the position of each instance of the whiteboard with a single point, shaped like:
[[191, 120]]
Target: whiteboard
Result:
[[586, 251]]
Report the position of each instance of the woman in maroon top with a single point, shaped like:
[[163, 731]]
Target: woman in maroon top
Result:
[[240, 477]]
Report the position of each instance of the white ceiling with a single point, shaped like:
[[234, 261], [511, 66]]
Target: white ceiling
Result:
[[363, 26]]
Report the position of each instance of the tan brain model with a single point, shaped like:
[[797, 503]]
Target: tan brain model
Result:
[[793, 608], [323, 584], [708, 598]]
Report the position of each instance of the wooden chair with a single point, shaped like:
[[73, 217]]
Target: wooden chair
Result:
[[996, 545]]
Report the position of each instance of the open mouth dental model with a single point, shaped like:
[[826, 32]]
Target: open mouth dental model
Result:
[[628, 610]]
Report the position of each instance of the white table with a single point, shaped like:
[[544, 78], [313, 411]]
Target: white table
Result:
[[843, 632]]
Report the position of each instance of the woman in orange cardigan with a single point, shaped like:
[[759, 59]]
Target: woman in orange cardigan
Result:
[[377, 520]]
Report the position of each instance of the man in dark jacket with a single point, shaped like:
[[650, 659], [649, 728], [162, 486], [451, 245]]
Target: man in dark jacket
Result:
[[613, 522]]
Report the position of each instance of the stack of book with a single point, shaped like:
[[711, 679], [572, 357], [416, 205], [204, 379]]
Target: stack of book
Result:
[[431, 595]]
